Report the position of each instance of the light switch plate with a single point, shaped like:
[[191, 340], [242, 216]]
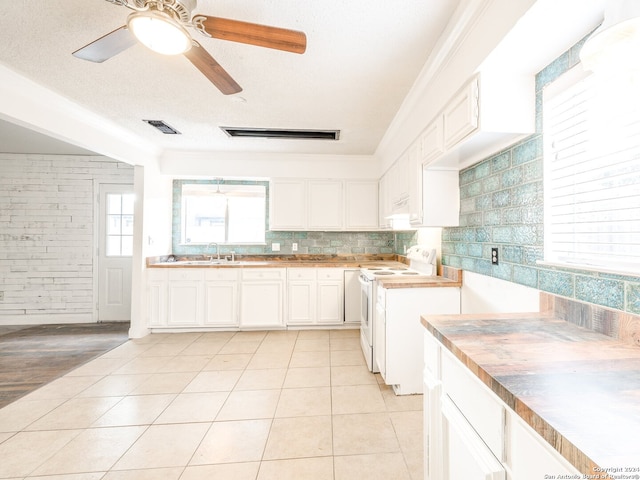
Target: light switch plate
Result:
[[275, 247]]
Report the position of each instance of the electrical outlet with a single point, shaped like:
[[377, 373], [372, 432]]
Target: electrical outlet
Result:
[[275, 247], [294, 247], [494, 255]]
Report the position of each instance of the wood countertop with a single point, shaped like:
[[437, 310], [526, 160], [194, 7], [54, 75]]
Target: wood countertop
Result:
[[580, 390], [417, 281], [282, 261]]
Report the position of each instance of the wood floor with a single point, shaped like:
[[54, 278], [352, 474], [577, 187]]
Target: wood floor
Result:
[[31, 356]]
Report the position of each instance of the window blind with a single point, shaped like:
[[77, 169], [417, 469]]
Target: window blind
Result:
[[592, 174]]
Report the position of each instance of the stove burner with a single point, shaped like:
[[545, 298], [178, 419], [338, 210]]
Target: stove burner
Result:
[[410, 273], [397, 268], [384, 272], [374, 268]]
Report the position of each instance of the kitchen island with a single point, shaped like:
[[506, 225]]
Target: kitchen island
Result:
[[577, 389]]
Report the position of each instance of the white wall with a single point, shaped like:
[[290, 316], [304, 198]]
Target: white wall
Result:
[[47, 240], [484, 294]]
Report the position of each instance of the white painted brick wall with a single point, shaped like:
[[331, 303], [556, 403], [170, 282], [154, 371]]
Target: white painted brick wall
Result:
[[46, 234]]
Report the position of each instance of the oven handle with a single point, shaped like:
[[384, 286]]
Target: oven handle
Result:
[[364, 281]]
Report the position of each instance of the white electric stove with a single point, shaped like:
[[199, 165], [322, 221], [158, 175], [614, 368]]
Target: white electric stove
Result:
[[422, 262]]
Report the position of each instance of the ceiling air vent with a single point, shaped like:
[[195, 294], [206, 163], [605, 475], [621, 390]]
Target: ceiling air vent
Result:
[[282, 133], [163, 127]]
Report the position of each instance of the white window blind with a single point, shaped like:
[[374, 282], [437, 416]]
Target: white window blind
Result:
[[592, 174]]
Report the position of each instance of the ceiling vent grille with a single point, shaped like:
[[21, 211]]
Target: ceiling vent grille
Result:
[[285, 134], [163, 127]]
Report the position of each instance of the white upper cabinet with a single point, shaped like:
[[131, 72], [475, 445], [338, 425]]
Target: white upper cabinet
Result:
[[384, 203], [414, 184], [323, 205], [460, 116], [326, 204], [288, 204], [361, 205], [432, 141], [490, 112]]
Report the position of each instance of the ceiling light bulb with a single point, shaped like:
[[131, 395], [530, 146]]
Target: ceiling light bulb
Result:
[[159, 32]]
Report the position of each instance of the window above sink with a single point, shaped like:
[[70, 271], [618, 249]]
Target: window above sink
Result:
[[224, 212]]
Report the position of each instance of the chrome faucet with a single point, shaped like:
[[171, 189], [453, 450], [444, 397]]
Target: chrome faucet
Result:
[[217, 251]]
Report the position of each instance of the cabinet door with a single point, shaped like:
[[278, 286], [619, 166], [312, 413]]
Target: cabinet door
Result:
[[261, 304], [460, 117], [415, 184], [221, 304], [432, 391], [351, 296], [287, 204], [325, 205], [301, 295], [330, 302], [157, 298], [384, 202], [464, 454], [185, 303], [402, 176], [432, 141], [361, 209]]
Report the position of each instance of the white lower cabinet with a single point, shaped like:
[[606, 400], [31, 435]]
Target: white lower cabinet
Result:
[[398, 339], [531, 457], [315, 296], [352, 291], [185, 297], [262, 293], [207, 298], [469, 433], [464, 455], [221, 294], [157, 297]]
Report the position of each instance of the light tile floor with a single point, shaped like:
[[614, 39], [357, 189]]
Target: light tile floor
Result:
[[224, 405]]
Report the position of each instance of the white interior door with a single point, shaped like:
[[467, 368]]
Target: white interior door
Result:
[[115, 248]]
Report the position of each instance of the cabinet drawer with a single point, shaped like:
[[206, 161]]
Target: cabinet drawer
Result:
[[301, 273], [477, 403], [157, 274], [328, 273], [188, 274], [221, 274], [432, 356], [264, 274]]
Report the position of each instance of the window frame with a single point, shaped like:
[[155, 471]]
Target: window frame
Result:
[[589, 261], [178, 208]]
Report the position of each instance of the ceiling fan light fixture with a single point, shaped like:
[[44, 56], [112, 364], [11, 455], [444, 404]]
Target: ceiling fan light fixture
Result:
[[159, 32]]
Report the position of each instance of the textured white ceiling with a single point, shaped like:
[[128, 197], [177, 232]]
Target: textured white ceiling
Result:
[[362, 58]]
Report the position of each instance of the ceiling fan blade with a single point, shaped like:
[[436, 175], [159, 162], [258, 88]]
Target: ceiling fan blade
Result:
[[212, 70], [253, 33], [107, 46]]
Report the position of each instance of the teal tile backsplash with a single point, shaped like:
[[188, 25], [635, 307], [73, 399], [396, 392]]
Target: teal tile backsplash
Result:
[[502, 205]]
